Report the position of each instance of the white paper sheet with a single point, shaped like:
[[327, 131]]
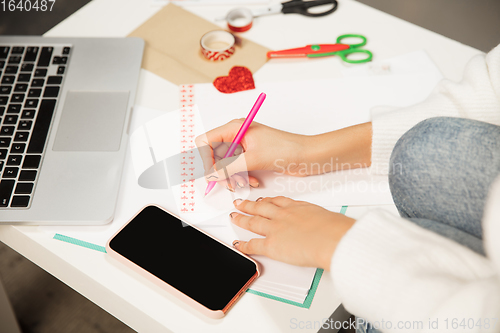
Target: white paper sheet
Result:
[[313, 107], [417, 62]]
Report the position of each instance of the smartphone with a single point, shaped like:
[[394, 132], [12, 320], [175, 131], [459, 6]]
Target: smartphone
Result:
[[183, 260]]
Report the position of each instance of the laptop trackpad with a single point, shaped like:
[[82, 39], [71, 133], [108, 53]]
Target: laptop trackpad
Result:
[[92, 121]]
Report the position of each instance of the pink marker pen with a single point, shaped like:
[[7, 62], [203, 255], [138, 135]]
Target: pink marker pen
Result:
[[240, 134]]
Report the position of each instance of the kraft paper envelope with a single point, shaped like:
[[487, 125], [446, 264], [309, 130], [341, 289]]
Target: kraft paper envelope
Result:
[[173, 49]]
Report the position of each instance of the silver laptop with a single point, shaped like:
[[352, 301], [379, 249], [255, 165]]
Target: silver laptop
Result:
[[65, 107]]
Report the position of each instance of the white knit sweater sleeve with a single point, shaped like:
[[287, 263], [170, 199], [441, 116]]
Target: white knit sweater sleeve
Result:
[[388, 270], [476, 97]]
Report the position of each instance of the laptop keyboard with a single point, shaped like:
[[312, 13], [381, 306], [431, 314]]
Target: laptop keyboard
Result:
[[30, 84]]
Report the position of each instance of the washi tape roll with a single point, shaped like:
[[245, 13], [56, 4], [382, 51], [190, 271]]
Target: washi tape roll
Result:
[[239, 19], [217, 45]]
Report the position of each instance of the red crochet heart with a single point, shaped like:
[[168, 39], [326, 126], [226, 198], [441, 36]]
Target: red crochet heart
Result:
[[239, 79]]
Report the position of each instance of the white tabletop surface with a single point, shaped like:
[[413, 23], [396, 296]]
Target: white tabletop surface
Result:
[[137, 302]]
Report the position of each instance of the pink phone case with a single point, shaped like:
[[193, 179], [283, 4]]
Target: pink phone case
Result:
[[165, 286]]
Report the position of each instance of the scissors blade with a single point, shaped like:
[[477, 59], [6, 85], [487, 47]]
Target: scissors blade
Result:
[[308, 51], [273, 9], [297, 52]]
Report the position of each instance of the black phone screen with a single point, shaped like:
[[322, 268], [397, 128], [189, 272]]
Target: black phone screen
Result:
[[185, 258]]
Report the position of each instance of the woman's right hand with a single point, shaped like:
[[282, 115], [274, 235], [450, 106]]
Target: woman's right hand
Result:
[[262, 148]]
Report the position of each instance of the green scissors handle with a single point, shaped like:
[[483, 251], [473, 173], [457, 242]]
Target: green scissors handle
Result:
[[342, 37], [353, 49]]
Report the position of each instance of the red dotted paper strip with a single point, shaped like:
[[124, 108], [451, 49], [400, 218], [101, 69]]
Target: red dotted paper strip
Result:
[[187, 148]]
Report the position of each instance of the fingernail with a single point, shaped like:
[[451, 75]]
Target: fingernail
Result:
[[259, 199], [231, 215], [230, 188], [254, 185], [235, 244], [239, 185], [237, 202]]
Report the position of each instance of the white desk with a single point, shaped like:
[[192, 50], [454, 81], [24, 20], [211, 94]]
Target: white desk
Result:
[[141, 305]]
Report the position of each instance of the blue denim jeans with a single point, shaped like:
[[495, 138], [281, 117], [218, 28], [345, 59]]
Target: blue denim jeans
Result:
[[440, 172]]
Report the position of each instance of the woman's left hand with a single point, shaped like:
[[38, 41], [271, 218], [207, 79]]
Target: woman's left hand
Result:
[[297, 232]]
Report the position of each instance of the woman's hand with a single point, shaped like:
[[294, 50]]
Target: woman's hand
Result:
[[297, 232], [266, 148], [263, 148]]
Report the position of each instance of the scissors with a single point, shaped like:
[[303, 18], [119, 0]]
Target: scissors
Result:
[[293, 6], [299, 7], [325, 50]]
